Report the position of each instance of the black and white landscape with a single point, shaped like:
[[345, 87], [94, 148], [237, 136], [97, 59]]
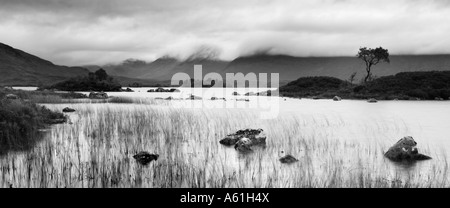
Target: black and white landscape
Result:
[[224, 94]]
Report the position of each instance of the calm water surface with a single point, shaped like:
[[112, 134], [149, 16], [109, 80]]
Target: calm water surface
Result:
[[362, 129]]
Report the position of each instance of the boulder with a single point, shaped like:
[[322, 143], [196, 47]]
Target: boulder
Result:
[[255, 136], [68, 110], [12, 97], [337, 98], [144, 158], [98, 95], [405, 150], [372, 100]]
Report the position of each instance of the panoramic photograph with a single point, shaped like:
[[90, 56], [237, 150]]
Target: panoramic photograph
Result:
[[224, 94]]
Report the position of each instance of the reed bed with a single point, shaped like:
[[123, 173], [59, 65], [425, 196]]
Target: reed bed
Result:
[[95, 149]]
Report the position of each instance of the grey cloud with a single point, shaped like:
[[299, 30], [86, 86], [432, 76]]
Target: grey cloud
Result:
[[102, 31]]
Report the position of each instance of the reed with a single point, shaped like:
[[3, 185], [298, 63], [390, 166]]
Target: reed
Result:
[[96, 150]]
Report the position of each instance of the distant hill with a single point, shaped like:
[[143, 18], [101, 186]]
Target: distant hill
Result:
[[20, 68], [289, 67]]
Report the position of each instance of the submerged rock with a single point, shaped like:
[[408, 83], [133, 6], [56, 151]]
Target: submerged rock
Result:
[[405, 150], [145, 158], [68, 110], [98, 95]]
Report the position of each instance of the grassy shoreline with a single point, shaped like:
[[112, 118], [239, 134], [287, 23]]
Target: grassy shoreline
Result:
[[21, 118]]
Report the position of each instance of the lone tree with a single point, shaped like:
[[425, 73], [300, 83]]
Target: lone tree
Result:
[[372, 57]]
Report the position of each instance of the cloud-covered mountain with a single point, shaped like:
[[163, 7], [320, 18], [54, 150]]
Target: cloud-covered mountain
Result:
[[289, 67]]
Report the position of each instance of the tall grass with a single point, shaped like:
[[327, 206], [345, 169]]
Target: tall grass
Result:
[[96, 151]]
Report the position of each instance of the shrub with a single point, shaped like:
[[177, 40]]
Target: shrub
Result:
[[19, 122]]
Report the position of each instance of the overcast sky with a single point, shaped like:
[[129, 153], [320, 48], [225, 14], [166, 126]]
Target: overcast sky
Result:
[[79, 32]]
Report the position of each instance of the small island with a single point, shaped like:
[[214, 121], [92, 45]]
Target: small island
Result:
[[98, 81], [433, 85]]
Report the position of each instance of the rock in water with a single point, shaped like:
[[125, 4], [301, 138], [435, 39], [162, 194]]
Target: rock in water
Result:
[[372, 100], [287, 159], [256, 136], [98, 95], [337, 98], [68, 110], [144, 158], [193, 97], [405, 150], [128, 90]]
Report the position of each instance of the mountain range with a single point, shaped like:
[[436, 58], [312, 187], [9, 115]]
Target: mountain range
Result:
[[20, 68], [289, 67]]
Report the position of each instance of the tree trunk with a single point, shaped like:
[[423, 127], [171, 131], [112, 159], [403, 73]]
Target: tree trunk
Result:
[[368, 73], [367, 77]]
